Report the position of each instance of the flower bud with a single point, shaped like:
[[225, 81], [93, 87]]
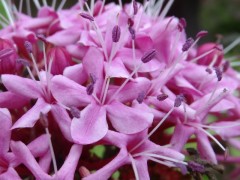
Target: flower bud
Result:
[[61, 59]]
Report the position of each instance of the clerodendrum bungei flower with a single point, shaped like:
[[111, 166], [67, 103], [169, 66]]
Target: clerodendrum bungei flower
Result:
[[97, 88]]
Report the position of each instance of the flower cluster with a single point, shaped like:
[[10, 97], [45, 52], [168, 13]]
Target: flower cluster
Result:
[[116, 76]]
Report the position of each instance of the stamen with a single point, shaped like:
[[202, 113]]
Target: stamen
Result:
[[8, 13], [162, 157], [148, 56], [90, 88], [196, 167], [130, 22], [28, 46], [134, 167], [162, 97], [135, 7], [75, 112], [218, 73], [165, 10], [20, 6], [37, 4], [60, 7], [208, 70], [93, 78], [29, 12], [187, 44], [44, 119], [201, 34], [116, 33], [179, 100], [153, 131], [103, 4], [45, 3], [166, 163], [225, 66], [120, 3], [87, 16], [212, 137], [231, 46], [132, 32], [24, 62], [141, 97]]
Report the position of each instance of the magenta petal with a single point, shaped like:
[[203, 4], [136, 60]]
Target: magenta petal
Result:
[[5, 132], [91, 126], [45, 161], [180, 136], [24, 155], [10, 174], [11, 100], [31, 116], [63, 120], [142, 168], [132, 89], [128, 120], [38, 147], [23, 86], [76, 73], [93, 64], [69, 167], [204, 147], [69, 92], [106, 172]]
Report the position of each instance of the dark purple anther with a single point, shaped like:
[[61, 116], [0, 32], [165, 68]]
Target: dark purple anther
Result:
[[208, 70], [225, 66], [116, 33], [90, 88], [148, 56], [141, 97], [135, 7], [28, 46], [24, 62], [130, 22], [183, 22], [187, 44], [75, 112], [201, 34], [92, 78], [162, 97], [179, 99], [87, 16], [196, 167], [132, 32], [218, 73]]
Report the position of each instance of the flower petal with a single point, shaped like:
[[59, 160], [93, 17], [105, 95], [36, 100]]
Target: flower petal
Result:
[[106, 171], [128, 120], [69, 92], [69, 167], [204, 147], [22, 86], [10, 174], [11, 100], [24, 155], [142, 168], [63, 120], [76, 73], [5, 132], [91, 126], [31, 116]]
